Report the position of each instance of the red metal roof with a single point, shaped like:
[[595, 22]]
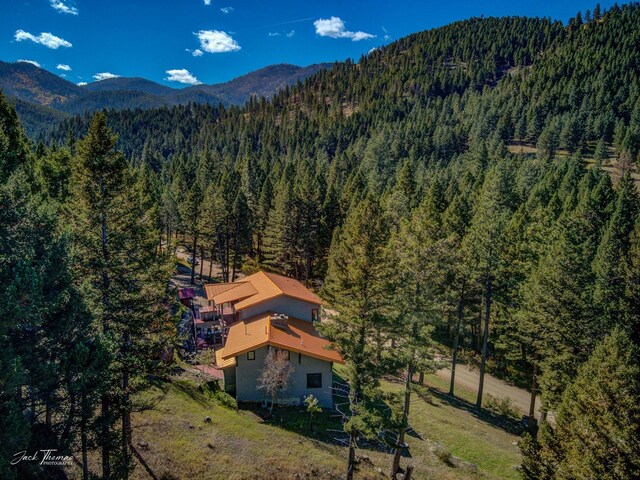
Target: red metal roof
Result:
[[186, 293]]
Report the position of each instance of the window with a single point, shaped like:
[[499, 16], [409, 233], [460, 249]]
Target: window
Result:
[[251, 355], [314, 315], [314, 380], [299, 358]]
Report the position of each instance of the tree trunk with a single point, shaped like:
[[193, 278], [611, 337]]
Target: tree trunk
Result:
[[106, 286], [221, 258], [65, 436], [355, 394], [351, 459], [532, 404], [235, 249], [201, 260], [395, 465], [478, 334], [106, 453], [48, 410], [227, 249], [83, 437], [485, 339], [126, 410], [454, 354], [408, 473], [259, 247], [211, 263], [193, 259]]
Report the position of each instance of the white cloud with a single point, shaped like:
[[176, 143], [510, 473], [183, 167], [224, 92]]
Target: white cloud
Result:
[[287, 34], [207, 2], [105, 76], [334, 28], [47, 39], [357, 36], [62, 66], [196, 53], [62, 7], [226, 9], [183, 76], [32, 62], [81, 84], [63, 75], [216, 41]]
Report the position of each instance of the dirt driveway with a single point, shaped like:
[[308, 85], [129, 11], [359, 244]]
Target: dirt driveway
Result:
[[468, 378]]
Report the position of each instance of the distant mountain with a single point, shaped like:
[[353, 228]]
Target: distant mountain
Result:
[[35, 87], [129, 83], [262, 83]]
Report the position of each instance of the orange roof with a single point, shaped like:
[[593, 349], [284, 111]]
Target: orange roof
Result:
[[239, 292], [221, 363], [213, 289], [258, 288], [299, 336]]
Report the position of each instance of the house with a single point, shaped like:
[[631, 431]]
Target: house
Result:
[[265, 311]]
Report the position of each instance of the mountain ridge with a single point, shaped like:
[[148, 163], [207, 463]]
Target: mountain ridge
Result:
[[35, 88]]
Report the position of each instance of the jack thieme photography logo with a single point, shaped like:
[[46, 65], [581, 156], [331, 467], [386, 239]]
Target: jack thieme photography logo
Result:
[[43, 457]]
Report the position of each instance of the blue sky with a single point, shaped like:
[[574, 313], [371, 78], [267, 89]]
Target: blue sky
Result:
[[181, 42]]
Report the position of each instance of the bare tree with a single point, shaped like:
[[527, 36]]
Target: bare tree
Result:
[[275, 374]]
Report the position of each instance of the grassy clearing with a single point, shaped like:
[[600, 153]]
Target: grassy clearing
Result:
[[176, 442], [610, 165], [479, 448]]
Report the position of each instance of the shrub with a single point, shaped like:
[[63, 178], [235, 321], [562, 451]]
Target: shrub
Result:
[[501, 406], [442, 453]]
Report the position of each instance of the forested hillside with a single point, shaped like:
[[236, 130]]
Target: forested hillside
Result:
[[391, 185], [424, 121]]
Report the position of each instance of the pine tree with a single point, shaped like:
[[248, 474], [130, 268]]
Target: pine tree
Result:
[[354, 290], [632, 290], [13, 145], [123, 278], [610, 261], [191, 221], [419, 267], [280, 241], [484, 243], [556, 319], [597, 428]]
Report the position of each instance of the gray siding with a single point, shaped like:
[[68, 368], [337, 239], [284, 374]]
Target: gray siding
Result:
[[282, 304], [247, 372]]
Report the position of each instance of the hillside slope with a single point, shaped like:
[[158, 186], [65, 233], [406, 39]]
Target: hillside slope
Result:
[[175, 442]]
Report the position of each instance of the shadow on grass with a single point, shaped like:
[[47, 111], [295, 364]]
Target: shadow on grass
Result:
[[327, 428], [197, 393], [503, 422], [144, 464]]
